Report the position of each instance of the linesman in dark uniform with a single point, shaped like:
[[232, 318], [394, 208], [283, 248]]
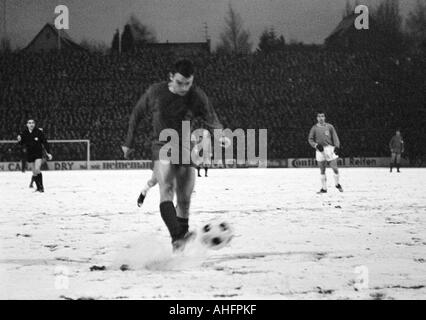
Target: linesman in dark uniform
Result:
[[34, 140]]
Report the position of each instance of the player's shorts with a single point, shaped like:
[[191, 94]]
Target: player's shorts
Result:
[[156, 156], [327, 155], [33, 156]]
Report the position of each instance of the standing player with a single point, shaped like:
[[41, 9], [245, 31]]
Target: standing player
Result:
[[396, 146], [34, 140], [205, 153], [205, 166], [323, 137], [170, 103]]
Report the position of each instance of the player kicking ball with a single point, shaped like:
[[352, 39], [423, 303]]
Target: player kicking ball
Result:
[[170, 103], [323, 137], [34, 140]]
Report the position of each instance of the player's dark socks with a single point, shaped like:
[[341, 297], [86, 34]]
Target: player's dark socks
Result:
[[168, 213], [198, 170], [397, 168], [32, 181], [322, 191], [141, 198], [39, 182], [339, 187], [183, 223], [205, 172], [179, 244]]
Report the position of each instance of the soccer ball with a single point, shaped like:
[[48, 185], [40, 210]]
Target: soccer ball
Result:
[[216, 234]]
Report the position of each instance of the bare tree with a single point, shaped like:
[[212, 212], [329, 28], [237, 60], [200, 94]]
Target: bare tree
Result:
[[388, 16], [115, 45], [141, 33], [269, 41], [234, 38], [127, 40], [350, 8], [416, 24], [388, 22]]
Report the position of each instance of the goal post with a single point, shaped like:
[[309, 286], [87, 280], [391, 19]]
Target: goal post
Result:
[[86, 141]]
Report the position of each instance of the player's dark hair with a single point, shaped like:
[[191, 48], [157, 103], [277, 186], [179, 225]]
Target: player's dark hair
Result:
[[184, 67], [320, 112]]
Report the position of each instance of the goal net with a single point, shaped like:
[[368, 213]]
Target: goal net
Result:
[[62, 150]]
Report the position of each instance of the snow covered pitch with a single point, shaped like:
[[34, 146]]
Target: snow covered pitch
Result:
[[290, 243]]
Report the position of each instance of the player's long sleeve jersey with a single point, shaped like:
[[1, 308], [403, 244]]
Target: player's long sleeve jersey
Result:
[[396, 144], [324, 135], [34, 141], [168, 110]]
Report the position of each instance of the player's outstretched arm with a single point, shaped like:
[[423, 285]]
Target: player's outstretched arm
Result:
[[127, 152], [45, 144], [336, 141], [135, 118], [207, 112], [21, 137], [311, 138]]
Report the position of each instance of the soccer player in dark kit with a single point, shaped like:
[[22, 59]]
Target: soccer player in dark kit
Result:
[[323, 137], [396, 146], [34, 140], [205, 152], [170, 103]]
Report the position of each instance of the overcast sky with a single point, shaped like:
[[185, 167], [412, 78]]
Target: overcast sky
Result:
[[309, 21]]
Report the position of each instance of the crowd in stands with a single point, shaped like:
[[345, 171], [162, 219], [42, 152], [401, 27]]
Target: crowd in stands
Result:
[[366, 96]]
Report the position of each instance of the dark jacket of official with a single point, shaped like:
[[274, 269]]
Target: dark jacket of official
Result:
[[34, 141]]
